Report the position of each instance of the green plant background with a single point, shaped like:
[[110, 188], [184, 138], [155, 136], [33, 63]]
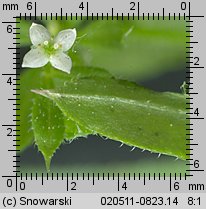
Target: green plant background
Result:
[[151, 53]]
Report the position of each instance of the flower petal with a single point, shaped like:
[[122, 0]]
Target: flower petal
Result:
[[38, 34], [35, 58], [66, 38], [61, 61]]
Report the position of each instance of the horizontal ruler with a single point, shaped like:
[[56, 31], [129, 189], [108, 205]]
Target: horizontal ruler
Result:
[[61, 182], [134, 12]]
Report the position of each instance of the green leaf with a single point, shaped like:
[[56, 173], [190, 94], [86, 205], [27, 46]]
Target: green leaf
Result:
[[125, 112], [48, 126], [45, 113], [47, 121]]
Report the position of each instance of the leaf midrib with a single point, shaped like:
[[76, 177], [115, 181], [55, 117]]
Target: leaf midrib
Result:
[[145, 105]]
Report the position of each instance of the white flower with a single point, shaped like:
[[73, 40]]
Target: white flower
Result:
[[46, 49]]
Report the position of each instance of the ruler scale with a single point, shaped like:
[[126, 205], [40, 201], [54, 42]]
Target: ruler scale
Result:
[[134, 187]]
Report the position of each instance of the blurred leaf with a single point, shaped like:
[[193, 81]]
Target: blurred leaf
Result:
[[125, 112], [131, 50], [24, 26], [54, 26]]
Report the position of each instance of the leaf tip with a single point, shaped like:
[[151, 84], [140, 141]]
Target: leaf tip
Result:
[[42, 92], [47, 160], [46, 93]]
